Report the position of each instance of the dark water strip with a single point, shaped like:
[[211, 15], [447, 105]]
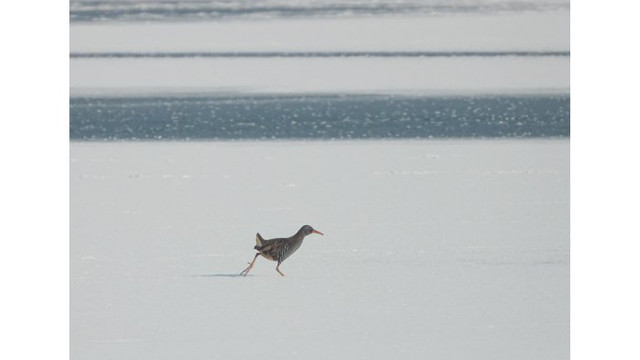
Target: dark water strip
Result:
[[88, 11], [318, 117], [316, 54]]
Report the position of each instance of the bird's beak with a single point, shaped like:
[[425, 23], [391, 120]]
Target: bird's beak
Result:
[[316, 232]]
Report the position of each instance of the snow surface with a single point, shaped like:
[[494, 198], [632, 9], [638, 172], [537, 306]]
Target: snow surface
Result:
[[528, 30], [525, 31], [448, 75], [448, 249]]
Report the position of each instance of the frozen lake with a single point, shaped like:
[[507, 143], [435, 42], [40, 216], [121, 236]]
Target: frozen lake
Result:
[[474, 75], [455, 248], [496, 31], [447, 249], [123, 48]]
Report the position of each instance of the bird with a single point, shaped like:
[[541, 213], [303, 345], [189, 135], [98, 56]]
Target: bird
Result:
[[279, 249]]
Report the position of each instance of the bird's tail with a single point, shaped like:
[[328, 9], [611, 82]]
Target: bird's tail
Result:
[[259, 241]]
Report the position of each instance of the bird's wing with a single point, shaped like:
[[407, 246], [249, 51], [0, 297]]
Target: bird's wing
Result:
[[270, 246]]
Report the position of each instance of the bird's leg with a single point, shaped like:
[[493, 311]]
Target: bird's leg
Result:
[[278, 269], [246, 271]]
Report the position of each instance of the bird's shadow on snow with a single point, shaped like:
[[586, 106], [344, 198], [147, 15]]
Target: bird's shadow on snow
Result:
[[218, 275]]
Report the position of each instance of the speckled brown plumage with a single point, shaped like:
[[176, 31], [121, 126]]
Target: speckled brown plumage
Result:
[[279, 249]]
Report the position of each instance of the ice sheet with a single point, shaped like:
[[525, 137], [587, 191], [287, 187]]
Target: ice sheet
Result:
[[451, 249], [528, 30], [321, 75]]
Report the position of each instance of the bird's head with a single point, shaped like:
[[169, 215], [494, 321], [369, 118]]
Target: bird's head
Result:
[[308, 230]]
